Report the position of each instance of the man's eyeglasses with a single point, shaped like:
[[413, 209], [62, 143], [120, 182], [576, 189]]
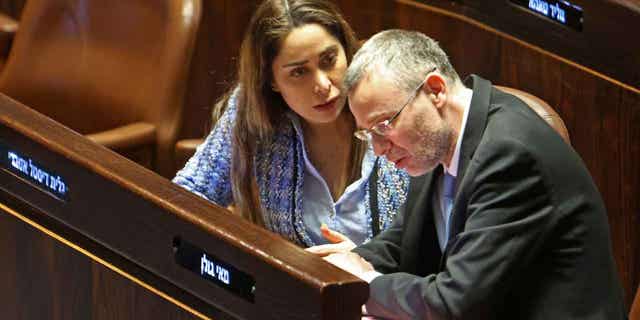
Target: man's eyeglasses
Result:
[[381, 128]]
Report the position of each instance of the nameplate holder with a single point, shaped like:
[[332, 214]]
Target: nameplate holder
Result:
[[559, 11], [34, 172], [213, 269]]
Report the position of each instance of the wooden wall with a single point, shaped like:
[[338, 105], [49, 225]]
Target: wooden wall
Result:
[[214, 61], [601, 112]]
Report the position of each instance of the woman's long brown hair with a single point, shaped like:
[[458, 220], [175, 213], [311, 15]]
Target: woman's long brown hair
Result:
[[259, 108]]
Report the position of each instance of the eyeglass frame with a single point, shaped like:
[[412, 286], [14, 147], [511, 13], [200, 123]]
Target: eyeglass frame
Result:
[[380, 128]]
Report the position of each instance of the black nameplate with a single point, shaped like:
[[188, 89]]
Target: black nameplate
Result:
[[34, 173], [560, 11], [213, 269]]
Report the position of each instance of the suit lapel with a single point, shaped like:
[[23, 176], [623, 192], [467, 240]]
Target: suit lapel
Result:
[[476, 124]]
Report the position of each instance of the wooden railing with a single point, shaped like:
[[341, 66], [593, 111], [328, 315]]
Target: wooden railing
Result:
[[86, 232]]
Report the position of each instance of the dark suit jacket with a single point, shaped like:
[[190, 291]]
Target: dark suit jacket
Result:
[[529, 235]]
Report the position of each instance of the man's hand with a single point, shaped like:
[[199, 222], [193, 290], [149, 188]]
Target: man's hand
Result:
[[350, 262], [339, 243]]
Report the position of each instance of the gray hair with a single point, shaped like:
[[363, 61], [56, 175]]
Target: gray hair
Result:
[[402, 56]]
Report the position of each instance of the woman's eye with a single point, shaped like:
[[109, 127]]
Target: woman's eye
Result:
[[328, 61], [297, 72]]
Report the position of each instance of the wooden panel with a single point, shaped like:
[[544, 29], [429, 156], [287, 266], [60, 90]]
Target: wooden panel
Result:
[[603, 43], [45, 279], [214, 61]]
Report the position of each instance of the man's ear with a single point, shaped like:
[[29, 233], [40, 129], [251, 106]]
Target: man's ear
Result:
[[436, 88]]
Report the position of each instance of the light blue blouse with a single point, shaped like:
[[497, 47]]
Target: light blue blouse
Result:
[[348, 214]]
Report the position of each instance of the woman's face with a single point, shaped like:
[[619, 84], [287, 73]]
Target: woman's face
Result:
[[308, 73]]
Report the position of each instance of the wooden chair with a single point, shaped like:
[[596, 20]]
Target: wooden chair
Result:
[[543, 109], [634, 314], [8, 28], [115, 71]]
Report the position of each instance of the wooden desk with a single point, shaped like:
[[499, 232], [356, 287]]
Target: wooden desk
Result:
[[88, 234]]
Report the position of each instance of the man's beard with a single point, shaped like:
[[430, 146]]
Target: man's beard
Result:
[[432, 146]]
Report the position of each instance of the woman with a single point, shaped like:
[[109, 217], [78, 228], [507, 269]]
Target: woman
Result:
[[282, 152]]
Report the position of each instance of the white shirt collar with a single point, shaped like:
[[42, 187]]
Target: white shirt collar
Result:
[[455, 159]]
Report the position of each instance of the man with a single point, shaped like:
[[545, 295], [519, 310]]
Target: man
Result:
[[507, 222]]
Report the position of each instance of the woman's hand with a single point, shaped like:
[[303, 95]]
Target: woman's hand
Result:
[[339, 243]]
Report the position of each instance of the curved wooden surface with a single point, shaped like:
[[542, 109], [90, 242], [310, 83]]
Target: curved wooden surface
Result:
[[131, 218]]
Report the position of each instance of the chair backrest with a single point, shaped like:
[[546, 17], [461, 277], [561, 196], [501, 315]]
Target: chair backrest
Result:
[[634, 314], [543, 109], [95, 65]]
